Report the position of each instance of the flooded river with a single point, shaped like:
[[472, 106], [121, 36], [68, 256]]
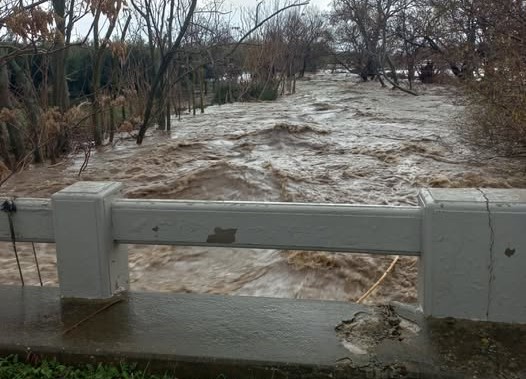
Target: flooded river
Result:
[[336, 140]]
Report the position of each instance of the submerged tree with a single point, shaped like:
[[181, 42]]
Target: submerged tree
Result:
[[137, 63], [368, 28], [479, 43], [167, 60]]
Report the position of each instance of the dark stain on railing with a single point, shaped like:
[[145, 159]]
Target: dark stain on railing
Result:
[[222, 236]]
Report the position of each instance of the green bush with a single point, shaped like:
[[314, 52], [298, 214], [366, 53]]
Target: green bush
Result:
[[255, 91], [222, 94], [11, 367], [259, 91], [496, 114]]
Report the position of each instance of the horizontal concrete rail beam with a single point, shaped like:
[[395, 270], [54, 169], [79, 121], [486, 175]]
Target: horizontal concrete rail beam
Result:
[[32, 221], [344, 228]]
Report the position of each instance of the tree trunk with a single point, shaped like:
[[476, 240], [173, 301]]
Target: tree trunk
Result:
[[112, 124], [16, 144], [30, 102], [304, 65], [194, 79], [60, 84], [202, 89], [161, 117], [99, 47], [180, 103], [168, 115], [165, 64], [96, 106], [95, 83], [188, 96], [392, 68], [4, 147]]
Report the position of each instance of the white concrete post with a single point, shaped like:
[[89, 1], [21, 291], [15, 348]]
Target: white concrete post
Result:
[[473, 263], [90, 264]]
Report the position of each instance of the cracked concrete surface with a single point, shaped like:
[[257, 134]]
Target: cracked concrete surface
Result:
[[203, 336], [396, 341], [491, 265]]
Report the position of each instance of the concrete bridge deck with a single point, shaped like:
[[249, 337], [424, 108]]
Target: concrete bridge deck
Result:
[[205, 336]]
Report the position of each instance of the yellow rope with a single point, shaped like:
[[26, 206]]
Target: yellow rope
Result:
[[379, 281]]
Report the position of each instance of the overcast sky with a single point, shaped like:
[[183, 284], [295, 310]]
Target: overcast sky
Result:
[[235, 6], [238, 6], [322, 4]]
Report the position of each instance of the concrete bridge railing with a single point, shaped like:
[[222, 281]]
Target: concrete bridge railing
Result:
[[471, 243]]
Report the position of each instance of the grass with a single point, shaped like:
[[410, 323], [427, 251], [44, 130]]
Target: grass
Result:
[[12, 368]]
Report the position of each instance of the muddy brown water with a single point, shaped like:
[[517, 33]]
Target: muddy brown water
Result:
[[336, 140]]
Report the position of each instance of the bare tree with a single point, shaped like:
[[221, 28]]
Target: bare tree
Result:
[[367, 26], [169, 57], [110, 11]]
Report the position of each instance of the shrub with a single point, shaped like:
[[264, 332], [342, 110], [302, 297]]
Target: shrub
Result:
[[225, 92], [11, 367], [496, 95]]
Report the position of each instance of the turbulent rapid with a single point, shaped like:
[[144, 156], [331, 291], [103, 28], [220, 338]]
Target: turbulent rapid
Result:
[[336, 140]]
